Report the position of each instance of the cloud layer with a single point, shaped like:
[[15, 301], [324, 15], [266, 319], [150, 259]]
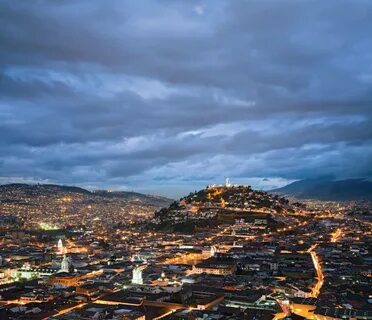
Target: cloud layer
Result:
[[166, 96]]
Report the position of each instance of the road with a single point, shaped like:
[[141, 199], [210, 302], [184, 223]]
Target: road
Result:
[[63, 311]]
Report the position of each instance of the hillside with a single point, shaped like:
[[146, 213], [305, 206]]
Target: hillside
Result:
[[215, 205], [60, 206], [32, 190], [331, 190]]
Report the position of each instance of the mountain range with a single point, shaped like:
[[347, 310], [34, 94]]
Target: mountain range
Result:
[[55, 188], [328, 189]]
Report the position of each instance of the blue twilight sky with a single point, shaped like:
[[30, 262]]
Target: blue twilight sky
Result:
[[167, 96]]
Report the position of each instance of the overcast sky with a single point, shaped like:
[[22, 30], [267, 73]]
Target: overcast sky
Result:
[[168, 96]]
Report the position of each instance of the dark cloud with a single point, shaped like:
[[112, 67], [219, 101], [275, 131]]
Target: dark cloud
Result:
[[170, 95]]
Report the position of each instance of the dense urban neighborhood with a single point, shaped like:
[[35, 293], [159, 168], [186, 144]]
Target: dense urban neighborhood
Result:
[[223, 252]]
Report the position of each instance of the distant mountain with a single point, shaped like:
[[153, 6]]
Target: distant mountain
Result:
[[326, 189], [52, 207], [135, 196], [39, 188], [35, 190]]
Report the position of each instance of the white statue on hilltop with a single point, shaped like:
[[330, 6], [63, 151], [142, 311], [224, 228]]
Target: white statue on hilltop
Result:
[[227, 183]]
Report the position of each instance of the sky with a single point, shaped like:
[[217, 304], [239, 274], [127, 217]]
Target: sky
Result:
[[168, 96]]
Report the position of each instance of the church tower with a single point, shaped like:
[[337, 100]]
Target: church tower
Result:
[[66, 265], [60, 248], [137, 275]]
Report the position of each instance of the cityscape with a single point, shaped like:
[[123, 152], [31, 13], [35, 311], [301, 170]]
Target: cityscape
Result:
[[185, 160], [224, 252]]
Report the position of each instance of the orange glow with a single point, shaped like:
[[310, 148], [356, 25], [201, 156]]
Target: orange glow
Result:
[[336, 235]]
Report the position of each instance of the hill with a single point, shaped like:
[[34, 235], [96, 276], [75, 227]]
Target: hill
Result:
[[33, 189], [216, 205], [62, 206], [55, 190], [325, 189]]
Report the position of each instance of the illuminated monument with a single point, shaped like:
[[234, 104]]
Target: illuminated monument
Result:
[[66, 265], [60, 247], [137, 275], [227, 183]]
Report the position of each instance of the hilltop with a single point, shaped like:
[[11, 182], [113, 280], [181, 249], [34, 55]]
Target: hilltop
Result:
[[326, 189], [220, 204]]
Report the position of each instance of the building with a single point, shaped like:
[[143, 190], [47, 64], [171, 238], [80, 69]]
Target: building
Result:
[[66, 264], [63, 279], [215, 266], [137, 275], [27, 272], [60, 248]]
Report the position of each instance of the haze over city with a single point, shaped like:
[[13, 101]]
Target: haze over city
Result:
[[166, 97]]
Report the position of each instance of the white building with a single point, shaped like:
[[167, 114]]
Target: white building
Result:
[[66, 264], [60, 247], [137, 275]]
